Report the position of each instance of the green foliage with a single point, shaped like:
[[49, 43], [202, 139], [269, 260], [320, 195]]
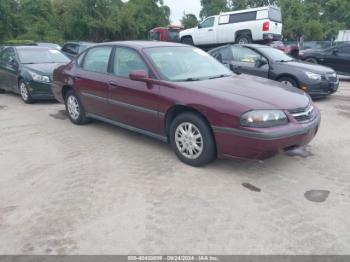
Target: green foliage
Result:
[[213, 7], [189, 21], [89, 20]]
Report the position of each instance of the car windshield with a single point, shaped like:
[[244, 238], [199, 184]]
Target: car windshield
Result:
[[276, 55], [41, 56], [185, 64]]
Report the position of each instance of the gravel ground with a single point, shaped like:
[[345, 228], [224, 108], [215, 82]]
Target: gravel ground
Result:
[[99, 189]]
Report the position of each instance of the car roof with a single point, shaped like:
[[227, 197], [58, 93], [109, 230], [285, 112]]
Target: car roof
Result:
[[143, 44], [256, 46], [80, 43]]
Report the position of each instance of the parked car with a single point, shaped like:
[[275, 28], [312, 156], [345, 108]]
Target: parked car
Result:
[[316, 45], [245, 26], [180, 94], [289, 49], [51, 45], [27, 70], [268, 62], [168, 34], [73, 49], [336, 57]]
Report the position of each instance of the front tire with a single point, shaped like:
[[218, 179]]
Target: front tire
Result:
[[192, 140], [2, 91], [288, 81], [24, 92], [187, 40], [75, 109]]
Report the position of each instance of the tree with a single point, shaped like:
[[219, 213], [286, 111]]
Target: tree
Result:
[[213, 7], [189, 21]]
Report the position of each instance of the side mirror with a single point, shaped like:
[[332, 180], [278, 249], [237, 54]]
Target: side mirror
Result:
[[261, 62], [199, 26], [139, 75], [13, 62], [335, 51]]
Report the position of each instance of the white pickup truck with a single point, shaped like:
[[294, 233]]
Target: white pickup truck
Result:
[[245, 26]]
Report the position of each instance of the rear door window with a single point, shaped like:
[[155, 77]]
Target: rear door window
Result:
[[97, 59]]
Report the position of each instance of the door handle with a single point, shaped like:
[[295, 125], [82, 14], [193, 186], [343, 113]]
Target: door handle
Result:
[[210, 30], [113, 84]]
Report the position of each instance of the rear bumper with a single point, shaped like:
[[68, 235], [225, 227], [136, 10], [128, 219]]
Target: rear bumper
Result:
[[244, 144], [272, 37]]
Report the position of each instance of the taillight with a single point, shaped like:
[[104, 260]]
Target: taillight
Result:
[[266, 26]]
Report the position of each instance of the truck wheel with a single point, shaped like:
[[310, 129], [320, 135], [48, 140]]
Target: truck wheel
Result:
[[244, 39], [187, 40]]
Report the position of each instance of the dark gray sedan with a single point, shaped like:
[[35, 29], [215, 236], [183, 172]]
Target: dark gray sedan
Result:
[[267, 62]]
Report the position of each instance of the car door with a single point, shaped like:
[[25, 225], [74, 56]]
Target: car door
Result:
[[248, 61], [224, 55], [9, 69], [92, 79], [132, 102], [338, 58], [206, 32]]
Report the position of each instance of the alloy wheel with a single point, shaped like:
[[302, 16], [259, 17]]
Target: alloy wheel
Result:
[[24, 91], [189, 140], [73, 107]]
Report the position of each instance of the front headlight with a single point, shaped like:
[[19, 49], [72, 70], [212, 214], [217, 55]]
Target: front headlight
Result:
[[264, 118], [313, 76], [39, 78]]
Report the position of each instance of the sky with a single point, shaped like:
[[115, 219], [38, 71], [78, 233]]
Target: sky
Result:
[[178, 7]]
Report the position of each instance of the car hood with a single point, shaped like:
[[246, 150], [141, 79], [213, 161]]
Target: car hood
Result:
[[252, 92], [318, 69], [43, 69]]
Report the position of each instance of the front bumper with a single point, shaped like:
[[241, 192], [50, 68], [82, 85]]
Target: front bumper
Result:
[[40, 90], [264, 143], [321, 89]]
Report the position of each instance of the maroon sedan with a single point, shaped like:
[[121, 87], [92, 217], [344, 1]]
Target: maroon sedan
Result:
[[181, 95]]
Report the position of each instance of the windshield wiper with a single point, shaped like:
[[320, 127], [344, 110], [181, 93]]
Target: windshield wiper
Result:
[[190, 79], [219, 76]]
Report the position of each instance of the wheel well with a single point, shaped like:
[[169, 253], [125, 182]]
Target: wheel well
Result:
[[65, 90], [289, 76], [243, 32], [186, 36], [18, 80], [176, 110]]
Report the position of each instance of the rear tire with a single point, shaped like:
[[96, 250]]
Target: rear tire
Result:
[[244, 39], [24, 92], [192, 140], [2, 91], [288, 81], [187, 40], [75, 109], [311, 60]]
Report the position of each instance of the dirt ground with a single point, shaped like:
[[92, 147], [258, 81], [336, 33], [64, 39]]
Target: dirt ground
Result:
[[98, 189]]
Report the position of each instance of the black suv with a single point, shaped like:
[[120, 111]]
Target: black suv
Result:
[[268, 62], [336, 57], [73, 49]]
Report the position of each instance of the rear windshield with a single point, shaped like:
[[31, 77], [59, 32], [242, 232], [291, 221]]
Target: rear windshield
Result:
[[275, 15], [41, 56]]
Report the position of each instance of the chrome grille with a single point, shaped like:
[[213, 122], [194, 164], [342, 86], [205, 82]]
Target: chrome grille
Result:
[[303, 114]]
